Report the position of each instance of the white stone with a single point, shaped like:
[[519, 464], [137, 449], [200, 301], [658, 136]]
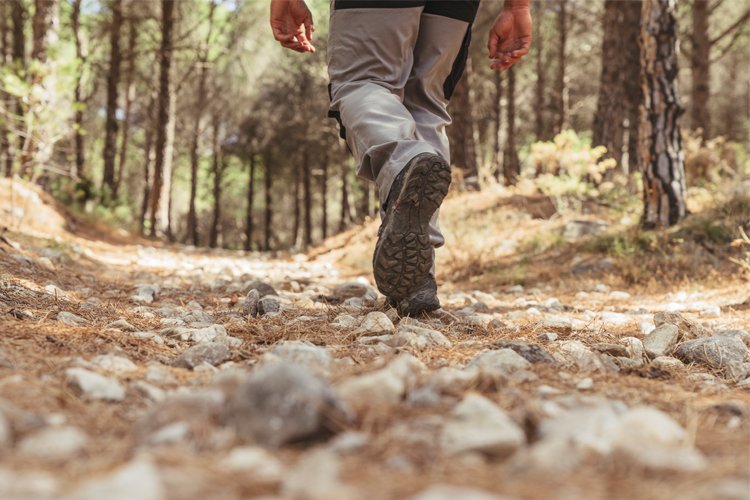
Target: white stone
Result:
[[573, 352], [453, 381], [254, 461], [54, 443], [316, 477], [634, 348], [384, 387], [619, 295], [616, 319], [661, 341], [95, 386], [137, 479], [447, 492], [479, 425], [418, 338], [114, 364], [21, 485], [304, 354], [668, 364], [150, 391], [173, 433], [345, 321], [71, 319], [585, 384], [375, 323], [499, 362]]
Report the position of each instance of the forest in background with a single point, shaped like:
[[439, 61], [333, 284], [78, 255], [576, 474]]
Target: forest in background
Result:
[[184, 120]]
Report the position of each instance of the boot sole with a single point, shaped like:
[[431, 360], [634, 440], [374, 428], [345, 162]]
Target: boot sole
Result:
[[403, 255]]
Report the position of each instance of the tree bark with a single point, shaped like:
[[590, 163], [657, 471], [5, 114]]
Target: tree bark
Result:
[[307, 199], [129, 99], [345, 216], [511, 163], [163, 109], [619, 92], [540, 92], [5, 60], [78, 137], [324, 196], [249, 227], [561, 92], [268, 210], [18, 54], [113, 85], [497, 112], [217, 168], [200, 105], [297, 211], [662, 159], [462, 132], [700, 69]]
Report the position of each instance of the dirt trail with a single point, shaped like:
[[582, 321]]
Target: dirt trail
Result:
[[130, 371]]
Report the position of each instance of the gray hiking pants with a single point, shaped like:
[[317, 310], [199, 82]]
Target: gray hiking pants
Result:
[[393, 65]]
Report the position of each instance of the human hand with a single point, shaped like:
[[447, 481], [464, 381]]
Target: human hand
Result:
[[292, 24], [510, 37]]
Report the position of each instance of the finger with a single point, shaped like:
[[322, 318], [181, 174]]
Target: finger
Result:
[[293, 45], [309, 27], [492, 44], [282, 36], [525, 46]]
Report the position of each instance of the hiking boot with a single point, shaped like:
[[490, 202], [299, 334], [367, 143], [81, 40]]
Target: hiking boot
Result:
[[423, 300], [404, 256]]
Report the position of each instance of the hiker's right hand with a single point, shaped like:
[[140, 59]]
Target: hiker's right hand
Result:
[[292, 24], [510, 36]]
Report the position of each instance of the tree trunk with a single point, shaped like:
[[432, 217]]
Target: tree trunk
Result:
[[217, 169], [297, 212], [462, 131], [78, 134], [268, 210], [5, 60], [307, 199], [18, 54], [561, 92], [324, 196], [113, 84], [345, 207], [200, 105], [540, 127], [250, 199], [700, 69], [129, 98], [147, 172], [511, 163], [662, 159], [498, 116], [164, 109]]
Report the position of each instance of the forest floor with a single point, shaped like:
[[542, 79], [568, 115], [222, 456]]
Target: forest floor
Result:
[[133, 370]]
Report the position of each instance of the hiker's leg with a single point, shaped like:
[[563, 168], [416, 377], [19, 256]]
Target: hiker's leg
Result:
[[370, 56], [439, 59]]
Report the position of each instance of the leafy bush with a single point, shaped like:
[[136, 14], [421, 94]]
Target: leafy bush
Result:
[[743, 241], [714, 159], [569, 170]]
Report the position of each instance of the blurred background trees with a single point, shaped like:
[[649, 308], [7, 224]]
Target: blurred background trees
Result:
[[184, 120]]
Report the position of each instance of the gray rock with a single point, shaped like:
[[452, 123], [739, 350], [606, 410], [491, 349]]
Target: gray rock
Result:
[[71, 319], [498, 363], [726, 354], [213, 353], [668, 364], [122, 325], [478, 425], [264, 289], [137, 479], [688, 328], [447, 492], [303, 354], [530, 352], [577, 229], [145, 294], [17, 484], [385, 387], [418, 338], [346, 321], [375, 323], [547, 336], [661, 340], [350, 289], [268, 305], [6, 433], [250, 304], [453, 381], [114, 364], [316, 477], [281, 403], [634, 349], [95, 386], [743, 335], [54, 443], [574, 353], [559, 324], [616, 350]]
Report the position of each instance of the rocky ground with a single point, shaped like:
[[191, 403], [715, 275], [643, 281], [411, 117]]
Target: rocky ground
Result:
[[136, 372]]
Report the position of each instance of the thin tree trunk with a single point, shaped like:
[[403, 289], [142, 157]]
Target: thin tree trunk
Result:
[[345, 217], [192, 222], [297, 214], [462, 131], [268, 210], [129, 99], [662, 159], [217, 168], [700, 69], [18, 52], [324, 197], [164, 109], [307, 199], [363, 207], [540, 106], [148, 171], [250, 199], [498, 115], [78, 137], [561, 92], [511, 163], [113, 84], [5, 59]]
